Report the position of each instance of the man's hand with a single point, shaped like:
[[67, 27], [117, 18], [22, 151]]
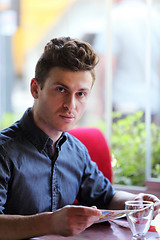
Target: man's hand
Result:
[[71, 220], [118, 201], [66, 221], [152, 198]]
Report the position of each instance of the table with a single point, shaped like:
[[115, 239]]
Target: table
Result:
[[105, 231], [99, 231]]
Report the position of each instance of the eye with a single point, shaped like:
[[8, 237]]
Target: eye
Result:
[[60, 89], [81, 94]]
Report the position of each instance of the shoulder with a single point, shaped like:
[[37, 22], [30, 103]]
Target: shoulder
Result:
[[10, 137], [75, 143], [76, 148], [9, 133]]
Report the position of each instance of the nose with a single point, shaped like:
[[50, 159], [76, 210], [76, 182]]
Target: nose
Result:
[[70, 102]]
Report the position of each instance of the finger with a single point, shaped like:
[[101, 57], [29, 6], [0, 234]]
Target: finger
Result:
[[87, 219], [157, 204], [87, 211], [156, 212], [94, 207], [147, 197]]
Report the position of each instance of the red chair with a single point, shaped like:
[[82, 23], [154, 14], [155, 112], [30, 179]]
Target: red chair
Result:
[[97, 147]]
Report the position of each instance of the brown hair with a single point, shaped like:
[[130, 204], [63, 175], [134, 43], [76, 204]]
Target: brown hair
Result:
[[68, 53]]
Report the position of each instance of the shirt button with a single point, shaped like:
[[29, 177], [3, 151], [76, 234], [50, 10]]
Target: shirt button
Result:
[[55, 188]]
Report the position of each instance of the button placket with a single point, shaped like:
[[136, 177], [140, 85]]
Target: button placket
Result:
[[55, 189]]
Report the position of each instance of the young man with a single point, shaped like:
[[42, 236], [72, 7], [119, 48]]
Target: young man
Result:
[[42, 167]]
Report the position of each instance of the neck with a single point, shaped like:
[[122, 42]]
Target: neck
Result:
[[53, 134]]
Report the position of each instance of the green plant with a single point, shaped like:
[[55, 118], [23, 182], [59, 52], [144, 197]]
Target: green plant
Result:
[[155, 144], [128, 147], [8, 119]]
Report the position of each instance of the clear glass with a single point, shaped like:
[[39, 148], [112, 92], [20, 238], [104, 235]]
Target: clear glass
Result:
[[139, 216]]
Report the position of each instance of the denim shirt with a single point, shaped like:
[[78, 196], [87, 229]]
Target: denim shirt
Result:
[[33, 180]]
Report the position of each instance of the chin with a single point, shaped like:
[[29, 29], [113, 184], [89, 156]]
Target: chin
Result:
[[67, 128]]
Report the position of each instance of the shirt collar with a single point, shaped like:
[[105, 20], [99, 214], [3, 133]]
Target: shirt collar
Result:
[[35, 135]]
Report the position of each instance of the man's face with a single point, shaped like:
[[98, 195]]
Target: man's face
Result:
[[62, 100]]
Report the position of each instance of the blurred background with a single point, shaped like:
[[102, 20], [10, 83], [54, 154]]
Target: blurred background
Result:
[[125, 101]]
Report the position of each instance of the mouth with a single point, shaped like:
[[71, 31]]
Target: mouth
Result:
[[67, 117]]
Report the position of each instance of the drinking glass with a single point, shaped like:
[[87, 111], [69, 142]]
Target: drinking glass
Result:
[[139, 215]]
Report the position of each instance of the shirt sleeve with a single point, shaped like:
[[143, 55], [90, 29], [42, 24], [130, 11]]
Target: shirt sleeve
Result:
[[95, 189], [4, 178]]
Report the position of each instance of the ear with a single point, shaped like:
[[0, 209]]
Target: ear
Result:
[[34, 88]]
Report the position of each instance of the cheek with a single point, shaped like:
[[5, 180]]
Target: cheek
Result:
[[82, 107], [51, 101], [46, 105]]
